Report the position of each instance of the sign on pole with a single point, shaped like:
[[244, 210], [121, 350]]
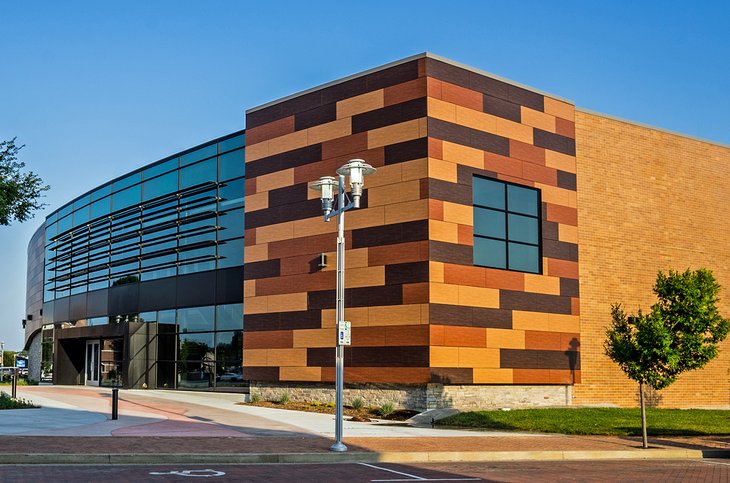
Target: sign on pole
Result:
[[344, 333]]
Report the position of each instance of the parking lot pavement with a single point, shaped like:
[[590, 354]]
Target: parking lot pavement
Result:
[[545, 472]]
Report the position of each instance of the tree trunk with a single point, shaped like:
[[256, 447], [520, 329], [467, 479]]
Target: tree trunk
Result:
[[644, 439]]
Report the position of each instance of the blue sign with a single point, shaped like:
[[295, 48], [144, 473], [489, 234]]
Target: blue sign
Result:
[[21, 363]]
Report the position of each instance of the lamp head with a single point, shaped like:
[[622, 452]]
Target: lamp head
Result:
[[356, 169], [326, 185]]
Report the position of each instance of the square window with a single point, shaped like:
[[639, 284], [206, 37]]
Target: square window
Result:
[[506, 225]]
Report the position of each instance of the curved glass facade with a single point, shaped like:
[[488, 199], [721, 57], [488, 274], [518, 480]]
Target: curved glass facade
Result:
[[181, 215], [142, 277]]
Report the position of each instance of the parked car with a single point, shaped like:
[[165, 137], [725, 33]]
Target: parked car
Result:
[[229, 377]]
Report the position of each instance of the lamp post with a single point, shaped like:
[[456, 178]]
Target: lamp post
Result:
[[356, 169]]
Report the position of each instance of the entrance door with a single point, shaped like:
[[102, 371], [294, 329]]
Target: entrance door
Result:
[[92, 362]]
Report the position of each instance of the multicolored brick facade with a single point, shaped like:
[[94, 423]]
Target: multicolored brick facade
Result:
[[421, 311]]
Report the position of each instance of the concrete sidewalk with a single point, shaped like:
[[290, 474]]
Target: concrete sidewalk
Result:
[[74, 426]]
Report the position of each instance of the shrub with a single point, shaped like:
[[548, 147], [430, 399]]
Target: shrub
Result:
[[386, 409], [255, 397], [357, 404], [284, 399]]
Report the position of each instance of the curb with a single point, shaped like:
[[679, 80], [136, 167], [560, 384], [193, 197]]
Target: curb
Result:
[[360, 457]]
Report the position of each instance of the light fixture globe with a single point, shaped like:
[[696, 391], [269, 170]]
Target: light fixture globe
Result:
[[356, 169], [325, 184]]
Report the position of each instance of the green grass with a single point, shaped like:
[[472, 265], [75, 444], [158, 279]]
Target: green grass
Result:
[[598, 421], [6, 402], [21, 382]]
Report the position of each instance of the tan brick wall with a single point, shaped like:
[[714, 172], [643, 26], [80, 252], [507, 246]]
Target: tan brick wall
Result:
[[647, 201]]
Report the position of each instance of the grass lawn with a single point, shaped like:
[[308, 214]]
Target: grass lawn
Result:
[[598, 421], [6, 402]]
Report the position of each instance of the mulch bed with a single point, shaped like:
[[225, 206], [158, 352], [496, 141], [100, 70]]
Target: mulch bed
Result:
[[361, 415]]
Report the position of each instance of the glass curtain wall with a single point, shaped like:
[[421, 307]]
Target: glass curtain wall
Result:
[[181, 215], [197, 348]]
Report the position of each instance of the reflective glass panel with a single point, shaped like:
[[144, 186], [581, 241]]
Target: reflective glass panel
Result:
[[100, 208], [525, 258], [232, 143], [230, 253], [523, 229], [197, 260], [66, 210], [166, 317], [196, 346], [229, 346], [196, 319], [101, 192], [153, 171], [229, 317], [198, 154], [128, 197], [522, 200], [488, 193], [231, 224], [489, 222], [231, 194], [127, 181], [490, 253], [162, 185], [231, 165], [82, 201], [148, 317], [64, 224], [81, 216], [200, 173]]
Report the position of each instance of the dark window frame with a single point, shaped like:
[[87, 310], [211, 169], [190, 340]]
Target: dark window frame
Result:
[[506, 211]]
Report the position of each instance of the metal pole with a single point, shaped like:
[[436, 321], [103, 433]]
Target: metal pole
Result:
[[15, 382], [340, 316], [115, 403]]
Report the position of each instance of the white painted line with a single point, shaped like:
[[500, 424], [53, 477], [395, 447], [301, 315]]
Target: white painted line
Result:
[[414, 477], [392, 471], [714, 463], [193, 473]]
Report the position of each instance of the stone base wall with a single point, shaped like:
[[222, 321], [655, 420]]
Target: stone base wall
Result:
[[422, 397]]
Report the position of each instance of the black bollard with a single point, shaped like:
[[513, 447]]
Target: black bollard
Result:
[[15, 382], [115, 403]]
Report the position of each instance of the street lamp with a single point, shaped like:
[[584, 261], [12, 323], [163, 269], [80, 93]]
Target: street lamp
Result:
[[356, 169]]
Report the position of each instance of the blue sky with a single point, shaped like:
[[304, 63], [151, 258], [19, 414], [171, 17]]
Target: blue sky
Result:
[[95, 89]]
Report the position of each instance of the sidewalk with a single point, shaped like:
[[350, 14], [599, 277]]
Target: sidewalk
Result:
[[73, 426]]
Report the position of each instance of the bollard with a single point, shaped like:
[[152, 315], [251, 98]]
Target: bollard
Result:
[[115, 403], [15, 382]]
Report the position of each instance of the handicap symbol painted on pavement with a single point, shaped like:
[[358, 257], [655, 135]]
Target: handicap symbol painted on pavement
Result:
[[193, 473]]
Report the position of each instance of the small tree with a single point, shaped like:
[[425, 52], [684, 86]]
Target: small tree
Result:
[[681, 333], [20, 192]]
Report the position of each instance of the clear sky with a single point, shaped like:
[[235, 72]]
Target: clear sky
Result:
[[96, 89]]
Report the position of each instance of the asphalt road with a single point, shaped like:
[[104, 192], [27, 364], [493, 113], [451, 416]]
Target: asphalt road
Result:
[[524, 471]]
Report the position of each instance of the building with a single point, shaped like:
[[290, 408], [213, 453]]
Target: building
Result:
[[139, 280], [500, 226]]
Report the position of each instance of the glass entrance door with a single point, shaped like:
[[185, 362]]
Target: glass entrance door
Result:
[[92, 362]]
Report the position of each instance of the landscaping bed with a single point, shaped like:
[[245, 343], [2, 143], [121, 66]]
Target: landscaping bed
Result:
[[363, 414], [6, 402], [597, 421]]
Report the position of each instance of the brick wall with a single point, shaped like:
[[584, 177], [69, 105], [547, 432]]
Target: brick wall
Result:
[[647, 201]]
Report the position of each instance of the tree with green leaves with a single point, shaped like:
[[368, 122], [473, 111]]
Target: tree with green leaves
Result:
[[681, 333], [20, 192]]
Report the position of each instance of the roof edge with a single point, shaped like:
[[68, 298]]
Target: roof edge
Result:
[[653, 128], [411, 58]]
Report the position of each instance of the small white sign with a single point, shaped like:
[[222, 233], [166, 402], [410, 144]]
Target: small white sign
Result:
[[344, 333]]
